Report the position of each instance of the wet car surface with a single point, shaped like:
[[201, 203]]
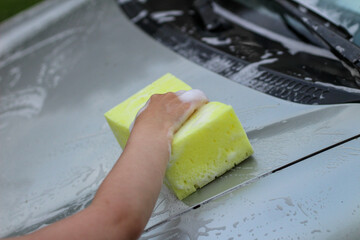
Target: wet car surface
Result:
[[67, 69]]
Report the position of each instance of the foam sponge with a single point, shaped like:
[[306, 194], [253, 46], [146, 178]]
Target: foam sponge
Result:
[[209, 143], [120, 117]]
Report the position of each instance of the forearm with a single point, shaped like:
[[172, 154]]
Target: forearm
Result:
[[125, 199], [130, 191]]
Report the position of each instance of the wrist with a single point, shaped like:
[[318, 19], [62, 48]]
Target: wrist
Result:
[[151, 134], [154, 128]]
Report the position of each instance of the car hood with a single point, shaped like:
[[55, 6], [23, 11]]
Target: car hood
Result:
[[56, 147]]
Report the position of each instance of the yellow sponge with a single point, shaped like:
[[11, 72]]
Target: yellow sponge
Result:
[[120, 117], [211, 141]]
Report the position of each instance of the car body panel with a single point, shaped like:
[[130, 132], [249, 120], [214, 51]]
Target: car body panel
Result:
[[56, 147], [314, 199]]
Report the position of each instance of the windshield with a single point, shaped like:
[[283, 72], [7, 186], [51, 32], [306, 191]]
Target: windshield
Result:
[[345, 13]]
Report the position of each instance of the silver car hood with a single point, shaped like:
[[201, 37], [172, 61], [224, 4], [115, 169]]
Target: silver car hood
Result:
[[64, 71]]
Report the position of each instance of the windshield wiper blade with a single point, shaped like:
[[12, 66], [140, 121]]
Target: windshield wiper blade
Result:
[[337, 42]]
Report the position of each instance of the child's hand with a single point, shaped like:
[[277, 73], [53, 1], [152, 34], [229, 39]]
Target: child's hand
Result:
[[165, 113]]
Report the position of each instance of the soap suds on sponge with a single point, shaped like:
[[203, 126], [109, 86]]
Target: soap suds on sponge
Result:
[[197, 99], [191, 95], [208, 144]]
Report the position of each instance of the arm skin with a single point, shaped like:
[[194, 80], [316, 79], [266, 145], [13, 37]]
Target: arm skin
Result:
[[125, 200]]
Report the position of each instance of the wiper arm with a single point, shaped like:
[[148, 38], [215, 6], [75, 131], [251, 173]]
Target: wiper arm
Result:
[[337, 42], [210, 19]]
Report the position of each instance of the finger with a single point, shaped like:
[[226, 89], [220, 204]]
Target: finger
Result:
[[180, 92], [194, 96]]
